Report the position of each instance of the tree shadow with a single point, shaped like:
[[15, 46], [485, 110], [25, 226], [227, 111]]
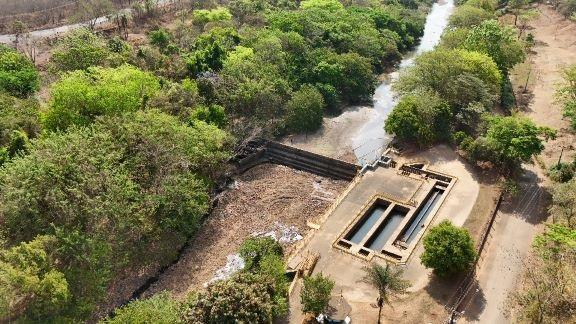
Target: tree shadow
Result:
[[473, 305]]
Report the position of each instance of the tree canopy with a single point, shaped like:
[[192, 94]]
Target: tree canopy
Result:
[[448, 249], [113, 195], [81, 96], [18, 75]]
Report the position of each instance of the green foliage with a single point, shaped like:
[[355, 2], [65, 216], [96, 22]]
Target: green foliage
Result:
[[563, 208], [566, 94], [159, 38], [18, 75], [18, 115], [160, 308], [114, 195], [30, 284], [255, 249], [79, 50], [420, 117], [211, 49], [246, 298], [332, 5], [499, 42], [509, 141], [315, 294], [203, 16], [387, 280], [305, 110], [460, 77], [448, 249], [212, 114], [467, 16], [81, 96], [562, 172]]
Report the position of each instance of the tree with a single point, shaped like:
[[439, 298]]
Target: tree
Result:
[[315, 294], [563, 206], [160, 308], [18, 75], [473, 77], [499, 42], [114, 195], [89, 11], [421, 117], [30, 284], [79, 50], [467, 16], [304, 111], [549, 284], [212, 114], [331, 5], [18, 115], [448, 249], [202, 16], [387, 280], [512, 140], [246, 298], [81, 96], [566, 94], [516, 5]]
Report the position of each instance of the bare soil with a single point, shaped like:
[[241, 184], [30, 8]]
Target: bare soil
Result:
[[259, 199], [555, 49]]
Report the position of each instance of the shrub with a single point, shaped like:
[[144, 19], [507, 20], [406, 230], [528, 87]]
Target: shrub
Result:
[[18, 75], [315, 294], [160, 308], [254, 249], [448, 249]]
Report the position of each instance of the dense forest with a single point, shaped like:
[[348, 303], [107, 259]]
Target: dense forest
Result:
[[115, 171]]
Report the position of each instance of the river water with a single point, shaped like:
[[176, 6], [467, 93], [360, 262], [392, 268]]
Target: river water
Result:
[[370, 139]]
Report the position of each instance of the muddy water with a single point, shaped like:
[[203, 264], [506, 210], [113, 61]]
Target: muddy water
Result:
[[369, 140]]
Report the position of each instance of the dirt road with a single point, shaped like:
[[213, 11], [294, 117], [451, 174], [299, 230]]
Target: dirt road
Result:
[[520, 220]]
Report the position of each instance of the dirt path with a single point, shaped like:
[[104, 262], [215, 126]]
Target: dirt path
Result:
[[555, 49], [518, 222]]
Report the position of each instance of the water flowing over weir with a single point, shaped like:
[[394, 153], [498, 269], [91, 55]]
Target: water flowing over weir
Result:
[[371, 139]]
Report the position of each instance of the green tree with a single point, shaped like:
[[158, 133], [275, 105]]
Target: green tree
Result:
[[422, 117], [246, 298], [304, 111], [563, 207], [332, 5], [499, 42], [566, 94], [448, 249], [202, 16], [160, 308], [18, 75], [30, 285], [387, 280], [79, 50], [467, 16], [315, 294], [18, 115], [113, 194], [81, 96], [511, 140], [212, 114]]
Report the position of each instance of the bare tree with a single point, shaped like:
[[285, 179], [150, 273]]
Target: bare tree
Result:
[[90, 10]]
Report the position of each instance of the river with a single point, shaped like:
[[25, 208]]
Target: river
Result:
[[370, 139]]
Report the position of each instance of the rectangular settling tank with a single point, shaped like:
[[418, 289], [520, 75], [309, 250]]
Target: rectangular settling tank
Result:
[[368, 220], [386, 228], [417, 222]]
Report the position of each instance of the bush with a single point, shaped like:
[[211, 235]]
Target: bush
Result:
[[562, 172], [254, 249], [315, 294], [160, 308], [18, 75], [79, 50], [448, 249], [246, 298]]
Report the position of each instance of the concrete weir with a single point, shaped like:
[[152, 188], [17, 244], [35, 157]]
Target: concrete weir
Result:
[[263, 151]]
